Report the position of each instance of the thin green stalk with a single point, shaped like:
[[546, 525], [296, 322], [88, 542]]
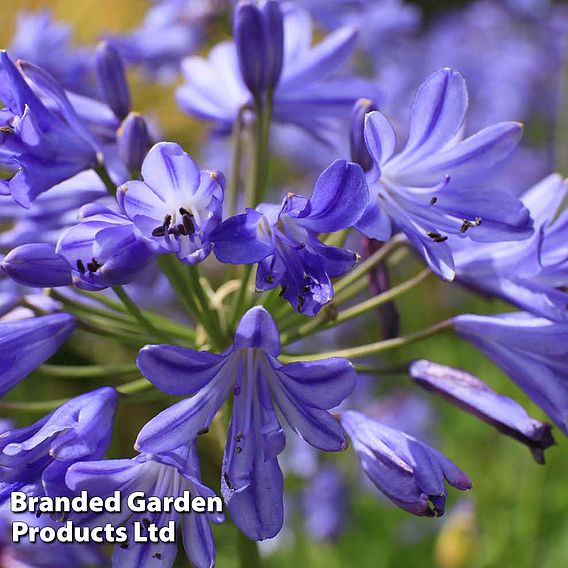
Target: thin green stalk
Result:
[[238, 306], [132, 307], [87, 371], [102, 172], [179, 281], [322, 321], [249, 555], [373, 348]]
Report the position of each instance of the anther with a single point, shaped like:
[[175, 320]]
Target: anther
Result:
[[283, 291], [300, 302], [436, 237], [433, 201], [81, 266], [228, 481], [270, 279], [159, 231], [202, 431]]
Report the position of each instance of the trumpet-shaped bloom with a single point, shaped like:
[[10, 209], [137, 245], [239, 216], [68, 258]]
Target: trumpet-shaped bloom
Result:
[[177, 205], [427, 190], [250, 370], [282, 239], [45, 146], [410, 473], [28, 343], [474, 396], [529, 273], [158, 476], [533, 351], [34, 459], [103, 251], [306, 94]]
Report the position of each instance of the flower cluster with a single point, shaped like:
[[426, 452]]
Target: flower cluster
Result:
[[215, 286]]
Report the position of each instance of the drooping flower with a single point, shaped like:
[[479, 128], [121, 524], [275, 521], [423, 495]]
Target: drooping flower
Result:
[[102, 251], [306, 95], [28, 343], [427, 190], [410, 473], [283, 240], [177, 206], [474, 396], [532, 351], [34, 459], [251, 476], [113, 84], [43, 146], [531, 273], [166, 475]]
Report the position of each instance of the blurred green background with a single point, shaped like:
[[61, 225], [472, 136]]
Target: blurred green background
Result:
[[519, 509]]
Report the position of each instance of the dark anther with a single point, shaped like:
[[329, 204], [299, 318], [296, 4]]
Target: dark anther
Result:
[[159, 231], [38, 514], [306, 288], [124, 545], [283, 291], [7, 129], [238, 450], [182, 230], [433, 201], [94, 265], [238, 436], [167, 220], [187, 225], [203, 431], [270, 279], [184, 211], [300, 302], [81, 266], [157, 556], [436, 237], [228, 481], [466, 224], [146, 522]]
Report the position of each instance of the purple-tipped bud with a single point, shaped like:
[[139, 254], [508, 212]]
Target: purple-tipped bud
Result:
[[37, 266], [259, 39], [111, 75], [474, 396], [133, 140], [359, 152]]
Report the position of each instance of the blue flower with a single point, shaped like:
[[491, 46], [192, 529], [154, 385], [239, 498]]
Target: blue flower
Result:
[[102, 251], [43, 146], [250, 370], [426, 190], [533, 351], [474, 396], [158, 476], [306, 95], [34, 459], [111, 75], [28, 343], [177, 205], [531, 273], [282, 239], [410, 473]]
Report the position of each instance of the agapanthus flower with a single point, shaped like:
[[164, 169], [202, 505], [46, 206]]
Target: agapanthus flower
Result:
[[474, 396], [531, 273], [28, 343], [102, 251], [166, 475], [306, 95], [427, 190], [113, 84], [45, 145], [177, 206], [532, 351], [410, 473], [34, 459], [250, 370], [41, 39], [283, 239]]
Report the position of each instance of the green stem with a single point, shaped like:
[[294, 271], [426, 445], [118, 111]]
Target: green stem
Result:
[[180, 282], [101, 171], [135, 311], [248, 552], [322, 322], [373, 348], [86, 371], [241, 296]]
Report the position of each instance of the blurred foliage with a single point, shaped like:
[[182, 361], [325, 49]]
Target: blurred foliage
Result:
[[518, 509]]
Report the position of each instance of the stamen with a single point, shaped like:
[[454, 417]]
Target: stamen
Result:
[[203, 431], [228, 481], [437, 237], [433, 201], [81, 266], [283, 291], [270, 279], [94, 265], [300, 302], [467, 224], [159, 231]]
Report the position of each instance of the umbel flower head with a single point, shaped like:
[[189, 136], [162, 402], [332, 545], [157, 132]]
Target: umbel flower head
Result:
[[283, 239], [250, 370], [410, 473], [427, 189], [35, 459], [168, 475], [177, 205]]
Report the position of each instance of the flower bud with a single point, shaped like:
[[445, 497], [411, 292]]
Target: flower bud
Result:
[[111, 75], [37, 266], [133, 141], [259, 39], [359, 152]]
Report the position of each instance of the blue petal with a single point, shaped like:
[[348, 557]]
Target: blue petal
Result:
[[257, 329]]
